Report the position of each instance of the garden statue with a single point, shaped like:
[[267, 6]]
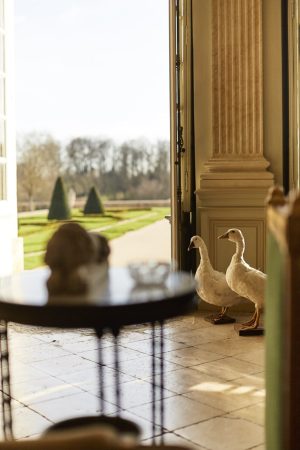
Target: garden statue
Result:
[[72, 254]]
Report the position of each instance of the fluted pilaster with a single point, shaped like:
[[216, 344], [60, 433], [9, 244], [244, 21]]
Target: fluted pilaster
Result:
[[234, 177], [237, 80]]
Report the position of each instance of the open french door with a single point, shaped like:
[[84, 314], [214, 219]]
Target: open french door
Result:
[[294, 92], [11, 247], [182, 133]]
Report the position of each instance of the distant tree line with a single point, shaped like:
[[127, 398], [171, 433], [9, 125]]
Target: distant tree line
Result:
[[135, 169]]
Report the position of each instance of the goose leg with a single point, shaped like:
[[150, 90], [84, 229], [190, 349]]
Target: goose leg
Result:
[[257, 317], [251, 321], [254, 322], [222, 312]]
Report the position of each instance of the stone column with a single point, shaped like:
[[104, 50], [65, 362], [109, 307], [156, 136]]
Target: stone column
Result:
[[235, 179], [237, 82]]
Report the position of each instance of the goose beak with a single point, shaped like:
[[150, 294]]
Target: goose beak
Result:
[[191, 246], [224, 236]]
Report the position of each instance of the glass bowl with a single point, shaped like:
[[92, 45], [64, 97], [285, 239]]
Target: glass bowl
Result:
[[149, 273]]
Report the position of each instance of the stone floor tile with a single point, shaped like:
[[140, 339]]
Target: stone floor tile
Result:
[[196, 320], [142, 367], [184, 380], [172, 327], [29, 392], [138, 328], [145, 425], [132, 336], [225, 395], [145, 346], [253, 383], [260, 375], [216, 332], [174, 439], [26, 423], [257, 380], [254, 413], [88, 380], [16, 404], [31, 437], [169, 330], [64, 365], [228, 368], [22, 341], [234, 345], [199, 358], [125, 354], [85, 345], [190, 337], [59, 336], [179, 412], [77, 405], [223, 433], [40, 352], [203, 335], [255, 356], [22, 372], [190, 356], [135, 393]]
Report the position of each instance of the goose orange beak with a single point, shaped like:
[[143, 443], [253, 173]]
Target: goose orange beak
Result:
[[224, 236]]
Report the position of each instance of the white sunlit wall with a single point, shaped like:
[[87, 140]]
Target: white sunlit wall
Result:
[[11, 247]]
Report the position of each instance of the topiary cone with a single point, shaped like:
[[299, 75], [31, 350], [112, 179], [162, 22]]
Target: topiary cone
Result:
[[93, 204], [59, 208]]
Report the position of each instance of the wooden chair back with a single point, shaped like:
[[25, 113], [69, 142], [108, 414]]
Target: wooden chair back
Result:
[[282, 321]]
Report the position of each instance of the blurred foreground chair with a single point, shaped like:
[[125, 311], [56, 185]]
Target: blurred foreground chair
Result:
[[89, 438], [282, 322]]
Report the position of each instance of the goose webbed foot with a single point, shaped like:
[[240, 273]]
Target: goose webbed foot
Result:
[[221, 318], [250, 327], [218, 318], [253, 323], [249, 323]]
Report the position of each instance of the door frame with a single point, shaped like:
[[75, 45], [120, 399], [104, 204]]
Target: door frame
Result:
[[183, 203]]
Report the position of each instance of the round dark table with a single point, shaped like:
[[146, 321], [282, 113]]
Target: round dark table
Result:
[[112, 303]]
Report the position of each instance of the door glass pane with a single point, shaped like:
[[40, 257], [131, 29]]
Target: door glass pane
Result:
[[2, 137], [2, 105], [2, 97], [1, 13], [2, 182], [2, 68]]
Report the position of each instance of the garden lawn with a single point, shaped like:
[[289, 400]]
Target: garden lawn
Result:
[[37, 230]]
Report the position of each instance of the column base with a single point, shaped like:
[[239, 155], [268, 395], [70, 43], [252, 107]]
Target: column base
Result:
[[233, 200]]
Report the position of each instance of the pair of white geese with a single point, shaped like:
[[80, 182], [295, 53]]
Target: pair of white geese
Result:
[[241, 280]]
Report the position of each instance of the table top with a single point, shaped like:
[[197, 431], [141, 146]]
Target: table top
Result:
[[112, 303]]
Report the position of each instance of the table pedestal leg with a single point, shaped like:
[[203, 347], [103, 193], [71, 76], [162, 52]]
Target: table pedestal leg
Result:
[[101, 371], [158, 350], [5, 383], [116, 332], [153, 382], [162, 412]]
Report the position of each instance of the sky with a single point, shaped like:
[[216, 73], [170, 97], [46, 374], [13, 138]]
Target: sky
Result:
[[93, 68]]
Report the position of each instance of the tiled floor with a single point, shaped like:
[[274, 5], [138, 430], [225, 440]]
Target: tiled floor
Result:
[[214, 381]]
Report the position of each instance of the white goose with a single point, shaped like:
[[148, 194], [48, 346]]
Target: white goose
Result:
[[212, 285], [244, 279]]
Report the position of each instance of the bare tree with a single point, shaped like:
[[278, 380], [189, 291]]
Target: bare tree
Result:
[[38, 166], [86, 162]]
